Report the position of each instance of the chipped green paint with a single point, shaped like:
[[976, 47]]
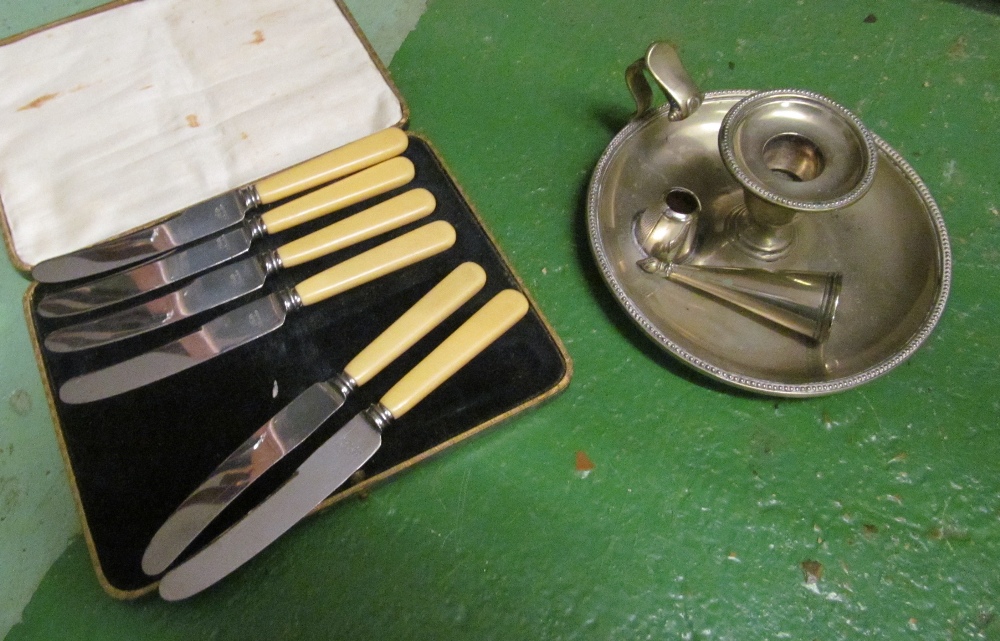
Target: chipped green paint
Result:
[[386, 23], [37, 516]]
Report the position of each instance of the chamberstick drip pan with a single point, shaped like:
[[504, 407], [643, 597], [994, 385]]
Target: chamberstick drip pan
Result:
[[890, 247]]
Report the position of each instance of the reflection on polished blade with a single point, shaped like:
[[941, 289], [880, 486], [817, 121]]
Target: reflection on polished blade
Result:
[[285, 431], [322, 473], [147, 277], [193, 223], [227, 283], [227, 332]]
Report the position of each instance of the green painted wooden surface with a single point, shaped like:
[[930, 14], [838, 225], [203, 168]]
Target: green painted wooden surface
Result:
[[709, 513]]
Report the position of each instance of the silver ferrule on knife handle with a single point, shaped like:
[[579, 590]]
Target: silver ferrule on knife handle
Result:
[[343, 383], [343, 453], [379, 416], [213, 215], [271, 261], [249, 196], [215, 287], [257, 228], [299, 419], [290, 300], [239, 326]]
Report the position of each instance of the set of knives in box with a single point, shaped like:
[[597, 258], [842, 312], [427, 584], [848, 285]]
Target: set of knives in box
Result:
[[147, 320]]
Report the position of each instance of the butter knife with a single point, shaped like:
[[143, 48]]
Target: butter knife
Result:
[[343, 454], [214, 215], [195, 258], [249, 322], [234, 280], [306, 413]]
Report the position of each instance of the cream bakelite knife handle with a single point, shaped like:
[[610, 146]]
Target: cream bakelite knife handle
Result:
[[439, 303], [386, 216], [476, 334], [346, 451], [423, 242], [363, 185], [293, 424], [332, 165]]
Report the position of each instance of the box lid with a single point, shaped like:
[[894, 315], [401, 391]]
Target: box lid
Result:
[[125, 115]]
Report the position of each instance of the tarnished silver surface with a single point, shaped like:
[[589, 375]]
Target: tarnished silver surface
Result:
[[792, 151], [269, 444], [126, 285], [319, 476], [379, 416], [799, 301], [206, 292], [663, 64], [890, 246], [231, 330], [798, 149], [195, 222], [667, 230]]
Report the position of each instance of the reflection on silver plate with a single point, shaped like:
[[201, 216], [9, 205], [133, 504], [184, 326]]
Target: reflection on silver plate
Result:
[[890, 247]]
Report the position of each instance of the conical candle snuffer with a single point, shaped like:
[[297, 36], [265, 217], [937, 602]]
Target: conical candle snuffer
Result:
[[802, 301]]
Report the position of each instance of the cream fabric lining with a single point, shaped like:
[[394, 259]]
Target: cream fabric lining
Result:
[[123, 117]]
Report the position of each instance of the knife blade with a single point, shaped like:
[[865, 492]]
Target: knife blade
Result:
[[199, 256], [215, 214], [237, 279], [244, 324], [343, 454], [306, 413]]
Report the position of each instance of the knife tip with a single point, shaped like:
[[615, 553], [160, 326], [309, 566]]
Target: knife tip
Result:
[[151, 565], [78, 390], [179, 584]]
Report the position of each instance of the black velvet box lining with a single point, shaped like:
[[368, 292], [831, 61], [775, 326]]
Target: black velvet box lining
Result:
[[135, 457]]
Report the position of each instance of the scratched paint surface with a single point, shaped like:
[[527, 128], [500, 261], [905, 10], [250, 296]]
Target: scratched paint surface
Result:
[[386, 23], [694, 512], [37, 516]]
